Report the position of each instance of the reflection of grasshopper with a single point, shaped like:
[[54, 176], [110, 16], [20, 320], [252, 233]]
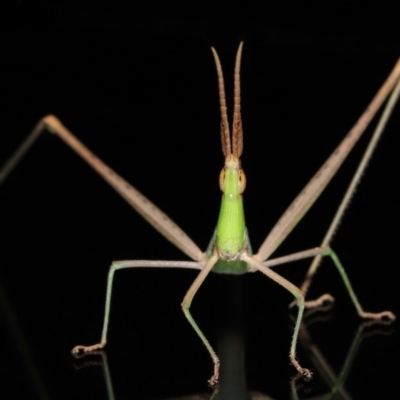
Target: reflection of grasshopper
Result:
[[229, 250], [335, 382], [239, 393], [231, 347]]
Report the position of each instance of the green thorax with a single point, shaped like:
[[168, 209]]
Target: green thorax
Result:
[[231, 238], [235, 267]]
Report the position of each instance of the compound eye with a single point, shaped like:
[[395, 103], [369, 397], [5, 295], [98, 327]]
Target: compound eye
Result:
[[222, 179], [242, 182]]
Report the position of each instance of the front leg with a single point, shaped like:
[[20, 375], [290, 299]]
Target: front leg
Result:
[[187, 301], [115, 266], [296, 292]]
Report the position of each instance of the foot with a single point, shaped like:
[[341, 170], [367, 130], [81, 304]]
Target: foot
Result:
[[325, 298], [384, 315], [304, 372], [213, 381], [81, 350]]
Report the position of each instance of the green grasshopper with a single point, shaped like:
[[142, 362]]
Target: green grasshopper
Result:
[[229, 251]]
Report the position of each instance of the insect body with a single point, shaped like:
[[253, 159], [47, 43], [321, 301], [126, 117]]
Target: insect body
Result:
[[229, 250]]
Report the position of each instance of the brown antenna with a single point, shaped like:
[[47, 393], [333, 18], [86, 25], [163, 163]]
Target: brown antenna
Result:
[[230, 146], [225, 133], [237, 131]]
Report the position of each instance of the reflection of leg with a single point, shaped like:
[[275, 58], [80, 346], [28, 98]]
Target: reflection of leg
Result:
[[333, 380], [116, 265], [187, 300], [295, 291]]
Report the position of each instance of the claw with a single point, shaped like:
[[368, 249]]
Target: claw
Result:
[[213, 381], [304, 372]]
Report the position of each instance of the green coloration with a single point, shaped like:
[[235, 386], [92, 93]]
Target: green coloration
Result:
[[230, 267], [230, 238]]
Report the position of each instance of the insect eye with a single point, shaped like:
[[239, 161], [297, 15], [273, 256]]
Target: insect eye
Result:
[[242, 182], [222, 179]]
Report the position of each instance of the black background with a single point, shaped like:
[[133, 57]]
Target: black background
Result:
[[141, 92]]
